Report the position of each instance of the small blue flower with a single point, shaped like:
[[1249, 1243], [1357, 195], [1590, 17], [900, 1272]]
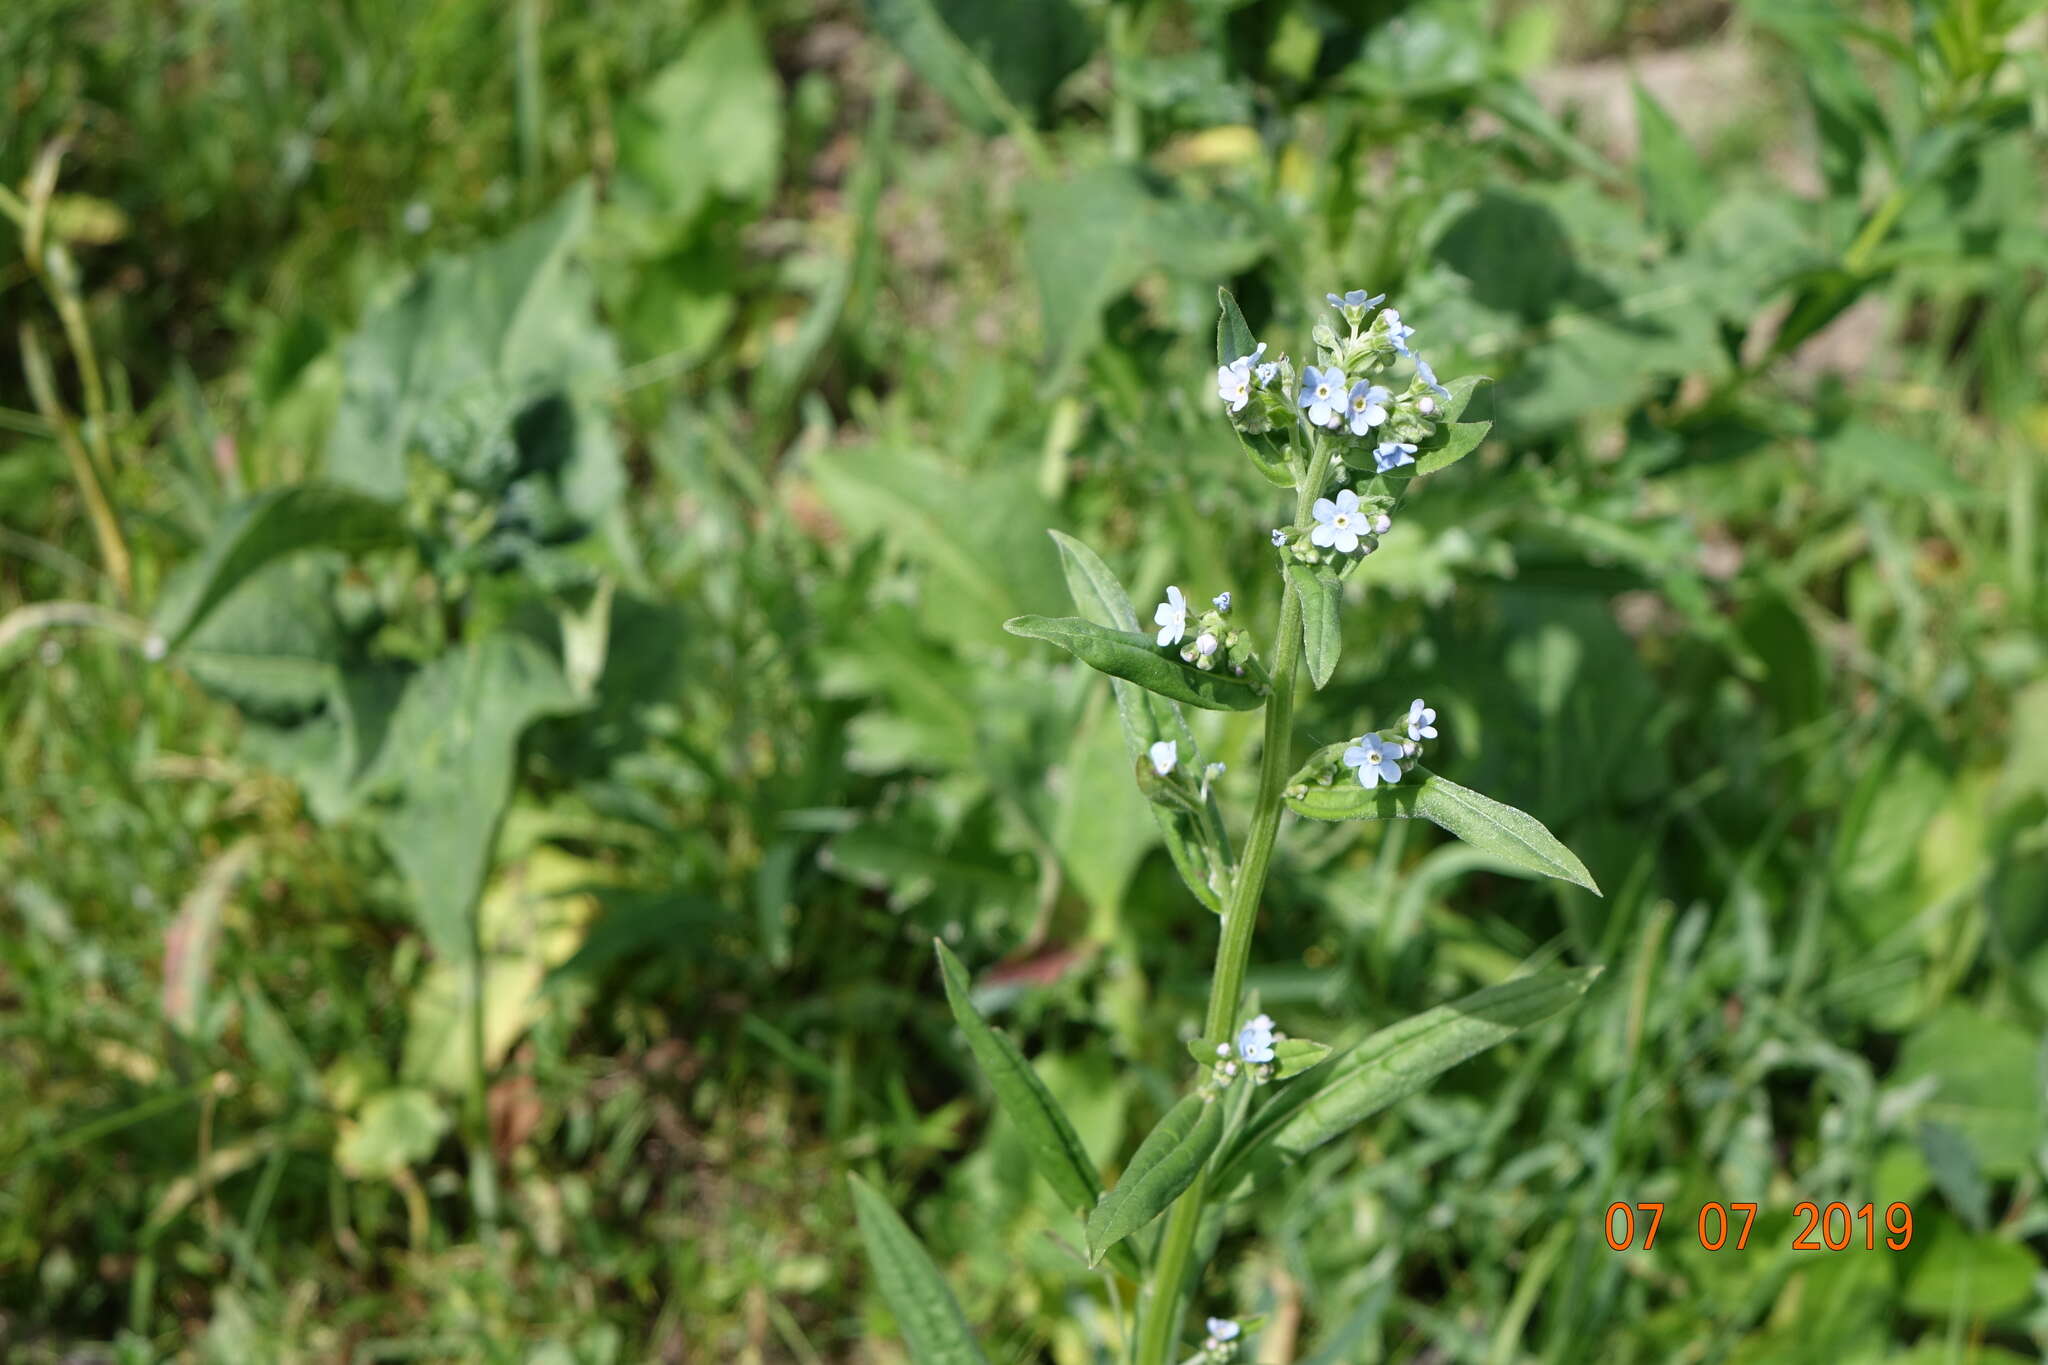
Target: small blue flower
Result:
[[1222, 601], [1428, 377], [1355, 298], [1233, 386], [1264, 373], [1376, 761], [1339, 524], [1164, 755], [1279, 537], [1222, 1329], [1255, 1040], [1322, 393], [1421, 720], [1393, 454], [1368, 406], [1398, 332], [1171, 616]]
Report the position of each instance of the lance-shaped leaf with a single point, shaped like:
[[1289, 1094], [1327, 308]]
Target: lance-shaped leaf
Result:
[[1133, 657], [1320, 594], [1146, 718], [925, 1309], [1460, 440], [1165, 1164], [306, 516], [1451, 442], [1055, 1148], [1400, 1060], [1234, 338], [1292, 1056], [1513, 836]]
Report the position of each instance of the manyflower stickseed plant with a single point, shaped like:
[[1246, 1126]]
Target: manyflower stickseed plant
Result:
[[1201, 1150]]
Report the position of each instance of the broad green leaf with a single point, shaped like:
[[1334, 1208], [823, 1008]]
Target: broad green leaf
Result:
[[1233, 337], [1264, 453], [1952, 1165], [1861, 455], [1089, 238], [1401, 1059], [1322, 636], [273, 646], [1957, 1274], [1055, 1148], [1165, 1164], [1462, 390], [1292, 1056], [1460, 440], [1146, 718], [979, 536], [925, 1309], [393, 1130], [445, 773], [988, 58], [284, 521], [486, 364], [707, 127], [1511, 835], [1986, 1084], [1134, 657], [1676, 188]]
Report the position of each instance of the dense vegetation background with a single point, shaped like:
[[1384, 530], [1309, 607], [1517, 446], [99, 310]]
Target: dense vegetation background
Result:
[[527, 494]]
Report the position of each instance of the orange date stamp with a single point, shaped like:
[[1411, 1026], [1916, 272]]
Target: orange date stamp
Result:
[[1719, 1226]]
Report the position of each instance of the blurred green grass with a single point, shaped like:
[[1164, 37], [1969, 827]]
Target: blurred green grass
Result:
[[1744, 599]]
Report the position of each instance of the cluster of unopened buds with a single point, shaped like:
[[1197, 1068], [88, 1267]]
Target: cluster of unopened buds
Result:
[[1378, 758], [1211, 642], [1253, 1054]]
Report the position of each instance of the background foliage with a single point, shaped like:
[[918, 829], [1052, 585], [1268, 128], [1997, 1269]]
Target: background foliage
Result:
[[505, 515]]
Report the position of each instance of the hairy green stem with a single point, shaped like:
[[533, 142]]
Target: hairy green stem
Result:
[[1160, 1309]]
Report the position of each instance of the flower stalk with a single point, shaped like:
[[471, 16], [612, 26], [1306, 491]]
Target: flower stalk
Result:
[[1161, 1307]]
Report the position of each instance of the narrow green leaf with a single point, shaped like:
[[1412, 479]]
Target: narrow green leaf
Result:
[[1133, 657], [1676, 188], [1513, 836], [1164, 1165], [1097, 592], [1401, 1059], [1146, 718], [1054, 1146], [1233, 337], [306, 516], [1320, 594], [925, 1309], [1292, 1056]]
